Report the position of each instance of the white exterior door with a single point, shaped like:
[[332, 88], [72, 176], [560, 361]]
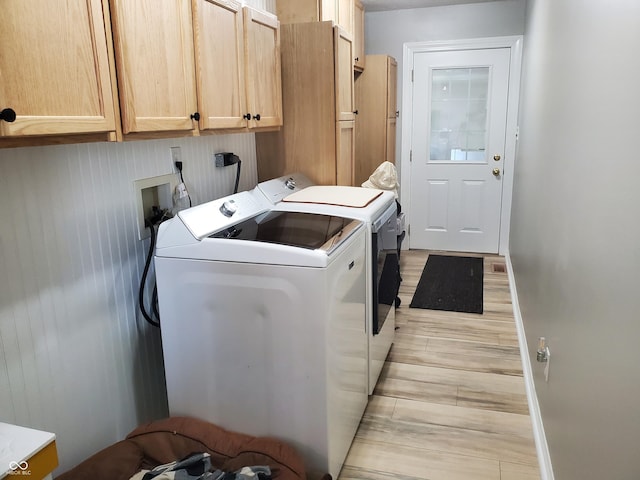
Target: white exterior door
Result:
[[457, 149]]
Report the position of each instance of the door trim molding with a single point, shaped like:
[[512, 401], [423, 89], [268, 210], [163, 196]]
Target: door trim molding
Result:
[[514, 43]]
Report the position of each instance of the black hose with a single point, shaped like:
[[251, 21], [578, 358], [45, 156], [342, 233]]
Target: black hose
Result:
[[145, 314], [154, 300], [235, 189]]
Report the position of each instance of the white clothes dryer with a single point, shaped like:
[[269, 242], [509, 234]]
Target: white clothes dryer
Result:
[[378, 210]]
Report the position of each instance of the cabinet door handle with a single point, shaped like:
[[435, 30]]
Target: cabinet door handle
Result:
[[8, 115], [195, 116], [256, 117], [247, 116], [356, 112], [357, 59]]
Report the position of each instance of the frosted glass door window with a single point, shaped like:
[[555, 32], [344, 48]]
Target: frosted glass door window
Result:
[[459, 99]]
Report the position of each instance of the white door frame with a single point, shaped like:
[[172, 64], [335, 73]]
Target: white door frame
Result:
[[409, 49]]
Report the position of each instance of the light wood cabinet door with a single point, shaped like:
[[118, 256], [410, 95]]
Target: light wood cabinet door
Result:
[[376, 123], [390, 155], [219, 52], [358, 36], [344, 152], [302, 11], [264, 84], [344, 75], [328, 10], [392, 87], [345, 15], [317, 82], [54, 68], [153, 42]]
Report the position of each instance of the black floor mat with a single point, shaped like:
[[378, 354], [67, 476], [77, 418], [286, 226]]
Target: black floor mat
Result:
[[450, 283]]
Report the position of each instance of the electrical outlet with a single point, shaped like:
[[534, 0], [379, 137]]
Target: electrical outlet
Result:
[[176, 156]]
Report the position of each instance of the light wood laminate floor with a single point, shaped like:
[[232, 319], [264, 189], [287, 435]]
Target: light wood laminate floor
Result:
[[450, 403]]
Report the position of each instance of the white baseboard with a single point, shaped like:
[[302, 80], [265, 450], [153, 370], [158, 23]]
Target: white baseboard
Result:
[[542, 448]]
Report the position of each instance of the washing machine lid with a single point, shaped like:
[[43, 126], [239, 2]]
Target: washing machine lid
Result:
[[341, 196], [312, 231], [369, 213]]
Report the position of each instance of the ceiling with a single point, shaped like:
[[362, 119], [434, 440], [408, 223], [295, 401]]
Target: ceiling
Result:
[[380, 5]]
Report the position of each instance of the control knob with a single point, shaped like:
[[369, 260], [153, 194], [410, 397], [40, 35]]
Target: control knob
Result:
[[228, 208], [290, 183]]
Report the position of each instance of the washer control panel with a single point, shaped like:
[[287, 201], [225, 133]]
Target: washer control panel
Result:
[[211, 217]]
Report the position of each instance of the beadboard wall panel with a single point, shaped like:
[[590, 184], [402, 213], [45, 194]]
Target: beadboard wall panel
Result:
[[76, 356]]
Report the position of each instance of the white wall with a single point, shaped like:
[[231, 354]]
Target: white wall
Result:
[[76, 357], [575, 237], [387, 32]]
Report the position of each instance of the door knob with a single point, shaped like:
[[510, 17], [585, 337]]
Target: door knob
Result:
[[497, 158], [496, 172]]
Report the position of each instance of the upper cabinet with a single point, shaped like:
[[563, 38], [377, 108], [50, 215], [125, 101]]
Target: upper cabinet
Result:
[[54, 69], [139, 68], [233, 84], [328, 10], [347, 14], [153, 42], [264, 84], [358, 36], [220, 72]]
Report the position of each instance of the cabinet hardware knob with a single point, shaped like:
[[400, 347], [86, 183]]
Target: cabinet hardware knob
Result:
[[256, 117], [8, 115], [195, 116], [356, 112], [247, 116], [357, 59], [397, 113]]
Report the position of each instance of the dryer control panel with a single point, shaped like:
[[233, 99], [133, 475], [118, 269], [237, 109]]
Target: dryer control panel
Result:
[[276, 189]]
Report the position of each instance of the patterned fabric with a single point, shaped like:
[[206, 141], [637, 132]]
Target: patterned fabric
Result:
[[197, 466]]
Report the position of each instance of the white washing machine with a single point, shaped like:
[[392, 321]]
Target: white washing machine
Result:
[[263, 323], [377, 209]]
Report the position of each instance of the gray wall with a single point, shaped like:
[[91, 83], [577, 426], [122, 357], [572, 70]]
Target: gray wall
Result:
[[387, 32], [575, 237], [76, 357]]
